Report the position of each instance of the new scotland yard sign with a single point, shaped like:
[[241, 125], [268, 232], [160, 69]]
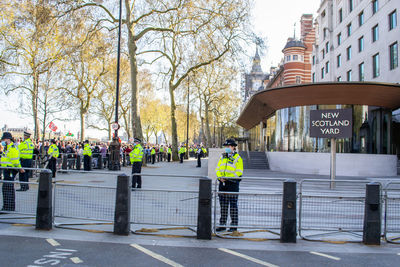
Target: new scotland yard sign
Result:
[[331, 123]]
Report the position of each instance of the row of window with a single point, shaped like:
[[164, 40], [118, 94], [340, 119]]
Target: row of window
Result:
[[393, 63], [294, 58], [374, 6]]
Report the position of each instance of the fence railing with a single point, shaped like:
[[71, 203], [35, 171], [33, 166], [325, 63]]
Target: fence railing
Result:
[[392, 212]]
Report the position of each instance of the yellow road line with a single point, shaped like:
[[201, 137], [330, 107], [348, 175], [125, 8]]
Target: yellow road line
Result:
[[76, 260], [52, 242], [156, 256], [325, 255], [264, 263]]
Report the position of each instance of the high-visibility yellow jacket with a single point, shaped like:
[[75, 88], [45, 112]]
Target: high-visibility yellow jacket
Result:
[[10, 156], [87, 151], [153, 151], [53, 151], [136, 154], [161, 149], [204, 150], [26, 149], [229, 166], [169, 150], [182, 150]]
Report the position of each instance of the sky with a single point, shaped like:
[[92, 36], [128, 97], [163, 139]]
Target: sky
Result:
[[271, 19]]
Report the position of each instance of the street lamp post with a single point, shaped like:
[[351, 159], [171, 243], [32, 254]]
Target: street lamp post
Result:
[[115, 146], [187, 122]]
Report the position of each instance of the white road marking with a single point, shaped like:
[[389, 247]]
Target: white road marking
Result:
[[264, 263], [52, 242], [156, 256], [76, 260], [325, 255], [398, 254]]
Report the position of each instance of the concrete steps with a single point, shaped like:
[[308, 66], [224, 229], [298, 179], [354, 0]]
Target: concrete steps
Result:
[[258, 160]]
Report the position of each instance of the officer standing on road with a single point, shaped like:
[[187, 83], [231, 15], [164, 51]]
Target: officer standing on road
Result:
[[9, 158], [230, 165], [153, 155], [53, 154], [87, 157], [199, 153], [136, 156], [169, 151], [182, 152], [26, 154]]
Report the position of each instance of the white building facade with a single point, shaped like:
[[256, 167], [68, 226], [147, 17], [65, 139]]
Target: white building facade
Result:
[[357, 40]]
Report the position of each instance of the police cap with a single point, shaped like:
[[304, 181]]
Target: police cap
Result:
[[6, 135], [27, 133], [137, 140], [229, 142]]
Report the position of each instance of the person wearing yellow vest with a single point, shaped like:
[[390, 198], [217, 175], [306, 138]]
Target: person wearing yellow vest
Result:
[[169, 151], [153, 155], [9, 158], [161, 152], [87, 156], [25, 154], [136, 157], [53, 154], [229, 168], [204, 151], [182, 151]]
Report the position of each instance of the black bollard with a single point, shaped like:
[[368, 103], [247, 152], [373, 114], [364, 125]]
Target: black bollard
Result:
[[289, 219], [372, 215], [122, 217], [204, 210], [44, 216], [78, 162]]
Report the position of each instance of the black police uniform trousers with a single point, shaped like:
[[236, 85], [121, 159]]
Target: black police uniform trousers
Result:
[[198, 160], [229, 201], [181, 157], [8, 190], [136, 179], [153, 158], [169, 157], [52, 165], [87, 164], [24, 177]]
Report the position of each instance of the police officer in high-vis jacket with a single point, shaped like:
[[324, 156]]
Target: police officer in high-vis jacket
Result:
[[26, 154], [136, 157], [87, 156], [53, 154], [230, 165], [9, 158]]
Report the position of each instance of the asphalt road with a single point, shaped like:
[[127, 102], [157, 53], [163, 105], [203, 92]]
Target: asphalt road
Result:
[[24, 251]]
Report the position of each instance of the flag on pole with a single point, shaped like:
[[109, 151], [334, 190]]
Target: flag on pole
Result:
[[52, 126]]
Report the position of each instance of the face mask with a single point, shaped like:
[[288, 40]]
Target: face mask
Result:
[[228, 150], [3, 143]]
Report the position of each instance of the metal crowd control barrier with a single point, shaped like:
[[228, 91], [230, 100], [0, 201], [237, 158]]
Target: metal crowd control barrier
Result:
[[392, 212], [165, 207], [328, 212], [258, 210]]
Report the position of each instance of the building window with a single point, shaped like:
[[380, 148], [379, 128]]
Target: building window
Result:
[[323, 53], [361, 72], [322, 72], [340, 15], [349, 29], [361, 44], [295, 57], [327, 67], [313, 60], [324, 32], [375, 33], [348, 53], [394, 56], [339, 60], [313, 77], [287, 58], [327, 47], [339, 39], [348, 74], [298, 79], [375, 6], [375, 65], [361, 18], [339, 79], [351, 5], [392, 20]]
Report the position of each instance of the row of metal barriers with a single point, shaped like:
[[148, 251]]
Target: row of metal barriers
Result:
[[266, 208]]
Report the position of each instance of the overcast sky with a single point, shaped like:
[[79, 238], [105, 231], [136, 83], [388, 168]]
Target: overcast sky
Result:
[[275, 20]]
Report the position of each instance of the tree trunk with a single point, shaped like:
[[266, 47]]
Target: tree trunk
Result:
[[173, 125], [35, 95], [207, 117], [135, 119], [82, 114]]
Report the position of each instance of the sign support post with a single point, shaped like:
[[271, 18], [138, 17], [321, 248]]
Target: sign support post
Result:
[[333, 162]]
